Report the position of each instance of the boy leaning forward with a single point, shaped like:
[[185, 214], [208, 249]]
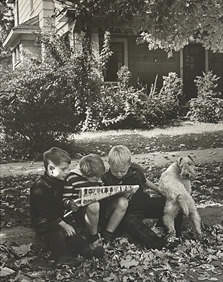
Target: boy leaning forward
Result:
[[111, 211], [123, 172], [61, 237]]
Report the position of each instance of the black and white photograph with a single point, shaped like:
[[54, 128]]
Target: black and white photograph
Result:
[[111, 140]]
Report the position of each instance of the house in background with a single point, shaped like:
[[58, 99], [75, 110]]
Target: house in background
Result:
[[144, 65]]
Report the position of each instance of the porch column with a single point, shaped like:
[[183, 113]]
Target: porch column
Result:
[[95, 41], [95, 46], [182, 67], [47, 10], [181, 63], [72, 38], [206, 61], [77, 43]]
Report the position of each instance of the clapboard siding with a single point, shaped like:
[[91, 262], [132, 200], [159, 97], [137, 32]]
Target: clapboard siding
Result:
[[46, 12], [37, 6], [24, 11], [43, 8]]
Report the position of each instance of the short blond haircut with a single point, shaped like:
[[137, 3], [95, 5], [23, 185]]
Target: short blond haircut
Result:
[[119, 155], [56, 156], [92, 165]]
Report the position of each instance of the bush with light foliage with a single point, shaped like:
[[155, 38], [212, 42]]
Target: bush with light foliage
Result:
[[207, 107], [124, 106]]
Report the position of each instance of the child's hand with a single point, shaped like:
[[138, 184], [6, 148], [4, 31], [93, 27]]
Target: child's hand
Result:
[[127, 195], [73, 206], [69, 230]]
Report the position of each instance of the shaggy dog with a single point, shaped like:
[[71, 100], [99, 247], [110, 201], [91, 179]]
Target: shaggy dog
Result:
[[175, 185]]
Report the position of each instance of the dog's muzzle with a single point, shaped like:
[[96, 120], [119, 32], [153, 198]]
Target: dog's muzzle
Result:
[[187, 175]]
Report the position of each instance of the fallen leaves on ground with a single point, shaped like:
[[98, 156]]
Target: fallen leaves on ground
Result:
[[125, 261]]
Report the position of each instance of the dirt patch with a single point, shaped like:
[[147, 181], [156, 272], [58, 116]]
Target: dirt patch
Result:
[[209, 215], [145, 160]]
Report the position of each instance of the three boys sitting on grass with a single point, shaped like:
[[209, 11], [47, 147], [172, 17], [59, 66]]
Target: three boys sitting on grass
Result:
[[78, 233]]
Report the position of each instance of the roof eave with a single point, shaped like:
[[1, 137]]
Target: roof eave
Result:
[[65, 14], [17, 31]]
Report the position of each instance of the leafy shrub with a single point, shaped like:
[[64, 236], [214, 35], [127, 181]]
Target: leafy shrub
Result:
[[42, 103], [124, 106], [172, 88], [121, 103], [165, 105], [207, 107], [124, 76], [121, 107]]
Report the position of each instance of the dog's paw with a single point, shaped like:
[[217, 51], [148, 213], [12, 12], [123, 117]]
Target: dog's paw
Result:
[[173, 244], [171, 237], [199, 237]]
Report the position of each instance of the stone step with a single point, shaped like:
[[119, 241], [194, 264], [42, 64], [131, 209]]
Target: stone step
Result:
[[20, 235]]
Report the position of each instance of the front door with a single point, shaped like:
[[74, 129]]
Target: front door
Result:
[[193, 65], [116, 61]]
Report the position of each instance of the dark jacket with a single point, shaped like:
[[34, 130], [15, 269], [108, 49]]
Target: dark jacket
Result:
[[46, 206], [134, 176]]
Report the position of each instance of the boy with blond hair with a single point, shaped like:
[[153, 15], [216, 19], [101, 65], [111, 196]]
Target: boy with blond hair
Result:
[[123, 172], [46, 208], [87, 174]]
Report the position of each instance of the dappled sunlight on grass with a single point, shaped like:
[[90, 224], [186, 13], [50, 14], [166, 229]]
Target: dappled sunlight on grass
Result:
[[183, 127]]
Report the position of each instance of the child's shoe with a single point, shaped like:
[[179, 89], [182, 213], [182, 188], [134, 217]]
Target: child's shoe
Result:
[[107, 237], [93, 251], [69, 261], [95, 241], [95, 246]]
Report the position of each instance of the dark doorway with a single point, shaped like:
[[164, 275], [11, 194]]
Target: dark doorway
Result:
[[193, 65], [116, 61]]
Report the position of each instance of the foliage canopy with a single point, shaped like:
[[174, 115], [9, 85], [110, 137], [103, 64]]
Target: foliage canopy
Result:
[[168, 25]]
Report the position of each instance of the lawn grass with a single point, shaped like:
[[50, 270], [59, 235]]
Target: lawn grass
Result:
[[177, 128], [187, 136], [177, 137]]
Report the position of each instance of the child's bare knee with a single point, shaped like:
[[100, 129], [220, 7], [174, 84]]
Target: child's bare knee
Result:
[[122, 203], [93, 208]]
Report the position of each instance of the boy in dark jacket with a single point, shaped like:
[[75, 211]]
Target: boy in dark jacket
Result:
[[46, 207], [123, 172]]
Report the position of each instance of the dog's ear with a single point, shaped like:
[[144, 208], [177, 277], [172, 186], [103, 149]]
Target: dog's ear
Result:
[[189, 156], [179, 161]]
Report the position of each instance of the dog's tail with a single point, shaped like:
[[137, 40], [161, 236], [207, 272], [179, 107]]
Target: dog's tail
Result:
[[183, 204]]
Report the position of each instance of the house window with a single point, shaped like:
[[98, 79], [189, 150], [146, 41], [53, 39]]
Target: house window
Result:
[[117, 60], [17, 55]]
